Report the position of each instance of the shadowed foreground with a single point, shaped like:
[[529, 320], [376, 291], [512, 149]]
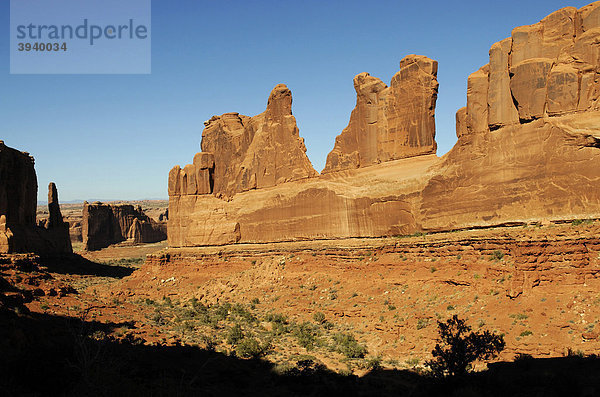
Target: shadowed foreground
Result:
[[49, 355]]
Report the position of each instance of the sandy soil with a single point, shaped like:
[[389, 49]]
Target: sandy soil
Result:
[[538, 286]]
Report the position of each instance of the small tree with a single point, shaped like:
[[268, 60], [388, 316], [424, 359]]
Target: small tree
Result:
[[458, 347]]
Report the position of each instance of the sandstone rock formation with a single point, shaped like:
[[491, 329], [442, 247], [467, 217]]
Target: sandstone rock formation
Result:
[[241, 153], [527, 151], [19, 232], [529, 136], [389, 123], [107, 224]]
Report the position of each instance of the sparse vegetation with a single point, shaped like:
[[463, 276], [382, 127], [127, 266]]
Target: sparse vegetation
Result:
[[306, 335], [497, 255], [251, 348], [422, 323], [235, 335], [348, 345], [319, 317]]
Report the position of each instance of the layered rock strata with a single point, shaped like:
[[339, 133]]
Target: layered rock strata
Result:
[[19, 232], [527, 151], [107, 224], [528, 138]]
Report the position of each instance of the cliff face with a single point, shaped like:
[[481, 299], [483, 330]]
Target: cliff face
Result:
[[107, 224], [389, 123], [18, 186], [527, 151], [529, 135], [19, 232], [241, 153]]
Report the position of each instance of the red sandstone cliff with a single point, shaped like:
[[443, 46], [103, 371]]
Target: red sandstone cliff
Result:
[[528, 150], [240, 153], [107, 224], [389, 123], [529, 135], [18, 203]]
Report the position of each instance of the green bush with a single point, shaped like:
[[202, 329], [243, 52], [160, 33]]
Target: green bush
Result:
[[497, 255], [349, 346], [373, 363], [222, 311], [250, 348], [422, 323], [235, 335], [240, 311], [276, 318], [279, 328], [305, 335], [319, 317]]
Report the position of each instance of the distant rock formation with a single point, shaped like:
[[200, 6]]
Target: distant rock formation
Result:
[[107, 224], [527, 151], [241, 153], [19, 232], [389, 123]]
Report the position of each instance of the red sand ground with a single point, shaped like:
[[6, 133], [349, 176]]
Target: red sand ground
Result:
[[537, 285]]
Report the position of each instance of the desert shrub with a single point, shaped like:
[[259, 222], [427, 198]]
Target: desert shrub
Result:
[[235, 335], [319, 317], [519, 316], [167, 301], [209, 342], [158, 318], [413, 362], [279, 329], [221, 312], [497, 255], [422, 323], [573, 353], [305, 335], [349, 346], [248, 347], [523, 357], [240, 311], [251, 348], [276, 318], [373, 363], [458, 347], [526, 333], [197, 305]]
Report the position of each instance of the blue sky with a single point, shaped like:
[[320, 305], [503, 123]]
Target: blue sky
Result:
[[117, 136]]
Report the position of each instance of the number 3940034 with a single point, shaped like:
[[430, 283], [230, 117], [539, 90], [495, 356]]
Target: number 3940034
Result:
[[42, 47]]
